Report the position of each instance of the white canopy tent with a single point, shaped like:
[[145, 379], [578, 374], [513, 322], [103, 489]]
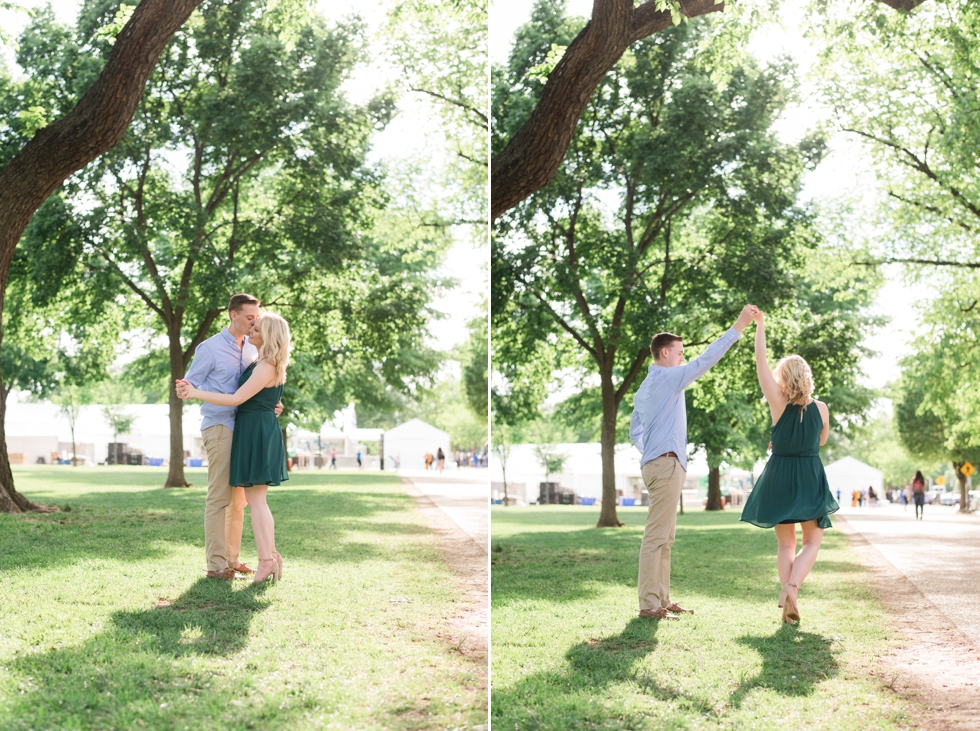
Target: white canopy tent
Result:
[[407, 444], [849, 474]]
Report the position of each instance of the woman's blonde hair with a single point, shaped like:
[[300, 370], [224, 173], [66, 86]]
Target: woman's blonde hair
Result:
[[275, 343], [795, 378]]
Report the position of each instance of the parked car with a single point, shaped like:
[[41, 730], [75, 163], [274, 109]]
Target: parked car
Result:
[[949, 498], [934, 496]]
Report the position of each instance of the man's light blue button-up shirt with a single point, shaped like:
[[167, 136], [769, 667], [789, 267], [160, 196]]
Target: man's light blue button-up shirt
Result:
[[218, 364], [659, 421]]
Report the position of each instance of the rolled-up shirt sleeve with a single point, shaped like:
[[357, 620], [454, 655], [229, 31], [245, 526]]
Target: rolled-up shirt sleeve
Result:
[[201, 366]]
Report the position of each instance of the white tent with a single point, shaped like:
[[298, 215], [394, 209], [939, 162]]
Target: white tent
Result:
[[41, 430], [849, 474], [407, 444]]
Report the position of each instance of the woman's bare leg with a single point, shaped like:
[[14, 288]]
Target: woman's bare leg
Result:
[[785, 551], [803, 563], [263, 526], [812, 536]]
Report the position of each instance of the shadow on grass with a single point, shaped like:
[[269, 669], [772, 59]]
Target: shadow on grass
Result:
[[566, 699], [135, 526], [793, 662], [210, 618], [130, 675]]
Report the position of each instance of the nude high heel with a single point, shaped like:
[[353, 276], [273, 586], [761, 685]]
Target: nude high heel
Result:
[[278, 559], [782, 596], [265, 571]]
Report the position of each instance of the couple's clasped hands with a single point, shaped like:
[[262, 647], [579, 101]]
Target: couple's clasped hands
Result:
[[750, 313], [185, 390]]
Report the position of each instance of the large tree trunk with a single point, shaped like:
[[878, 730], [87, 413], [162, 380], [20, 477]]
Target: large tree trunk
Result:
[[714, 490], [11, 501], [610, 408], [175, 477], [67, 145], [961, 478], [534, 153]]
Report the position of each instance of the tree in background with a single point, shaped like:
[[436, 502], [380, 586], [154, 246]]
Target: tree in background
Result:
[[552, 461], [441, 48], [534, 151], [475, 361], [244, 165], [41, 150], [936, 411], [54, 338], [877, 443], [70, 404], [905, 86], [121, 421], [704, 218]]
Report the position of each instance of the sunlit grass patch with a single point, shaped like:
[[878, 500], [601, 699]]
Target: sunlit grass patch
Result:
[[569, 651], [107, 621]]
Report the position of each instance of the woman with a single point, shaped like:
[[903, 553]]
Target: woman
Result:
[[258, 457], [793, 487], [919, 494]]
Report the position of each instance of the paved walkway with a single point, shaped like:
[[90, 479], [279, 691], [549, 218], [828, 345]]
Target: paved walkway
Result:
[[939, 555], [463, 495]]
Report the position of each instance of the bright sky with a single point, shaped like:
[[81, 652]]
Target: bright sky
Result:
[[409, 136], [843, 173]]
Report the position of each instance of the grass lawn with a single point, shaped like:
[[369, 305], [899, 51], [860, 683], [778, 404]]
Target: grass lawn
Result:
[[569, 652], [107, 621]]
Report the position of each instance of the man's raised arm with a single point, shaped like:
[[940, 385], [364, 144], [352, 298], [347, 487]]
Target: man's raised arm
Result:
[[684, 375]]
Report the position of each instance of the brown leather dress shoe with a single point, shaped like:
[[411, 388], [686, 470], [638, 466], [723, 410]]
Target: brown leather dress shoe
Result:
[[228, 574], [678, 609], [243, 569], [660, 613]]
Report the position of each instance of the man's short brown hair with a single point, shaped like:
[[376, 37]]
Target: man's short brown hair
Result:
[[238, 301], [661, 341]]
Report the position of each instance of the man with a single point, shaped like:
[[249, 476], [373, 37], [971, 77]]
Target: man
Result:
[[218, 364], [658, 428]]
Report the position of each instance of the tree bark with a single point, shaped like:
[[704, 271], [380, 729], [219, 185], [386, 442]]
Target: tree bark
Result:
[[961, 478], [533, 155], [535, 152], [714, 490], [67, 145], [11, 501], [610, 409], [178, 369]]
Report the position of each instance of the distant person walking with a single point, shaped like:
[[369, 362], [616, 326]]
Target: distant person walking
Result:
[[919, 494], [793, 486], [333, 459], [658, 428], [358, 459], [440, 459]]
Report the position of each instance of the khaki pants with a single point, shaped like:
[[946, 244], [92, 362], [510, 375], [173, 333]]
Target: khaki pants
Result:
[[224, 508], [664, 478]]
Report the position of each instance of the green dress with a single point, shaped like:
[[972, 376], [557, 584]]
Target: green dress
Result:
[[793, 486], [258, 456]]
